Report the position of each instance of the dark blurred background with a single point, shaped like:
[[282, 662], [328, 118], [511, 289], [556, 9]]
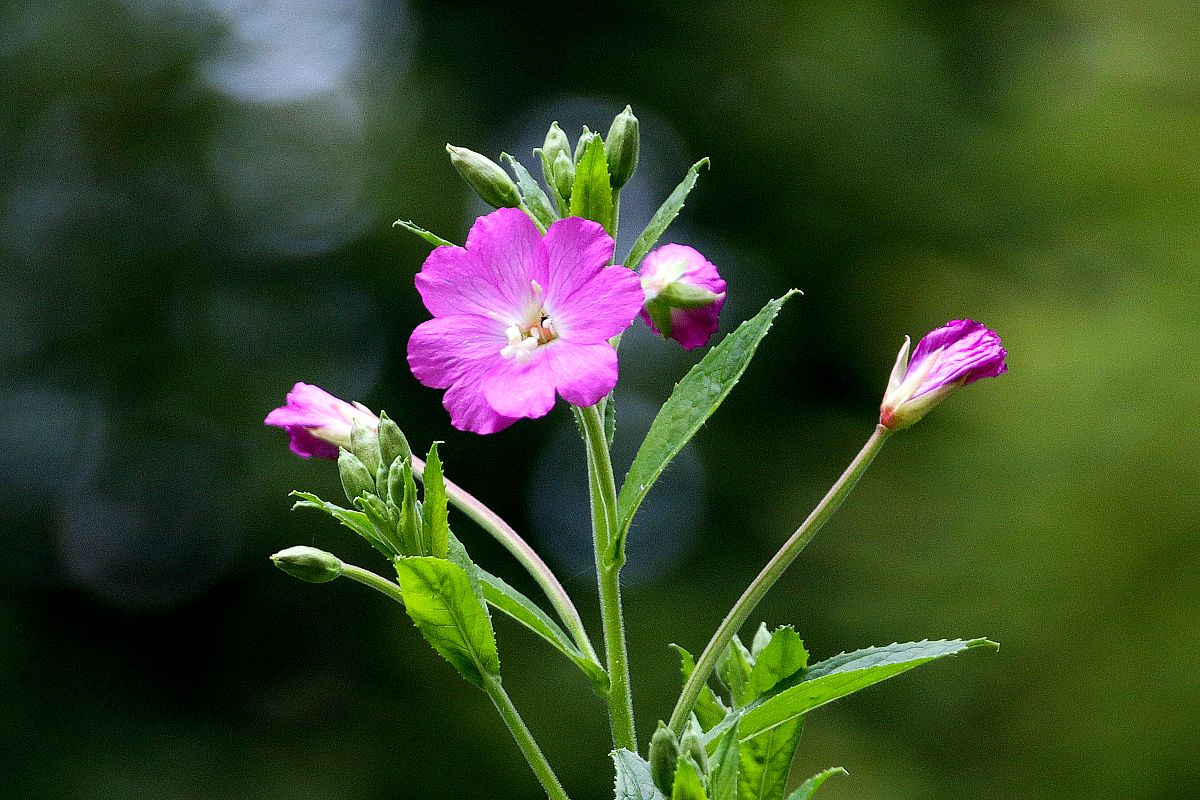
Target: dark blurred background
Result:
[[195, 209]]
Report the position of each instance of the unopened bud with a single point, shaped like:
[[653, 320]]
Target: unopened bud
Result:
[[356, 478], [684, 295], [556, 143], [664, 755], [486, 177], [584, 139], [308, 564], [392, 442], [564, 175], [621, 148]]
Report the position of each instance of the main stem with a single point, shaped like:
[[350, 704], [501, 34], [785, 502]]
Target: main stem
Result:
[[771, 573], [529, 748], [604, 526]]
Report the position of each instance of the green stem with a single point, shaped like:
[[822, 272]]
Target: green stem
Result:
[[604, 526], [771, 573], [520, 732], [503, 533], [376, 582]]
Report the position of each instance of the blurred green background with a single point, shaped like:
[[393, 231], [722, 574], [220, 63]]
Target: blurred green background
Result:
[[195, 209]]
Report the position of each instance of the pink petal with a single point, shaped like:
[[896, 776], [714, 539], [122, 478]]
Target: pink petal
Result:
[[513, 389], [577, 249], [600, 308], [443, 349], [510, 248], [583, 373], [469, 411]]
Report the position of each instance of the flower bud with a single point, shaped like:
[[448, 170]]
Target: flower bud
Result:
[[621, 148], [564, 175], [556, 144], [684, 295], [581, 145], [318, 423], [308, 564], [664, 755], [691, 745], [392, 441], [486, 177], [960, 352], [356, 478]]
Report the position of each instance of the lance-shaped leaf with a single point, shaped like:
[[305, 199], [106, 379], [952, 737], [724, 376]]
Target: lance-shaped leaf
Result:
[[837, 677], [592, 197], [665, 215], [533, 199], [633, 777], [810, 786], [724, 767], [438, 597], [766, 760], [503, 597], [412, 227], [356, 521], [709, 709], [693, 401], [434, 511]]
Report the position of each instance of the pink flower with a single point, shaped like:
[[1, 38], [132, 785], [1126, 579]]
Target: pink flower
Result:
[[317, 422], [684, 295], [518, 317], [960, 352]]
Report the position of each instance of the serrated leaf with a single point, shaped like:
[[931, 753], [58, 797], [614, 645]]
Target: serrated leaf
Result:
[[693, 401], [687, 785], [840, 676], [766, 760], [439, 599], [709, 709], [725, 766], [432, 238], [633, 777], [503, 597], [434, 511], [533, 199], [733, 668], [810, 786], [664, 216], [781, 658], [592, 197], [356, 521]]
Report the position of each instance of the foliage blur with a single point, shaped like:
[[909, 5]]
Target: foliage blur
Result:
[[195, 209]]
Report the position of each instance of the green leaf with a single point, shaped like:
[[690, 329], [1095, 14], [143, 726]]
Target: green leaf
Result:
[[843, 675], [725, 766], [810, 786], [766, 760], [688, 785], [533, 199], [781, 658], [356, 521], [503, 597], [762, 637], [438, 597], [410, 516], [709, 709], [665, 215], [693, 401], [633, 777], [412, 227], [592, 197], [434, 511], [733, 668], [610, 418]]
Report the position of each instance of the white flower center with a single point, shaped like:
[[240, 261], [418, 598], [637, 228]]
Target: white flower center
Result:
[[524, 340]]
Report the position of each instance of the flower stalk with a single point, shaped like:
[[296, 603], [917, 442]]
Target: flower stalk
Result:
[[770, 574], [520, 732], [603, 492]]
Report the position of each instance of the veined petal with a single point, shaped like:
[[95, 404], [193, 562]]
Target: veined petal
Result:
[[510, 247], [514, 389], [600, 308], [583, 373], [469, 410], [444, 349], [576, 249]]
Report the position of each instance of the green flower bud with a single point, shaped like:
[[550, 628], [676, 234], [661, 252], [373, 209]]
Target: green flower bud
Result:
[[364, 443], [356, 478], [664, 755], [621, 148], [564, 175], [691, 745], [392, 442], [308, 564], [582, 144], [556, 143], [486, 177]]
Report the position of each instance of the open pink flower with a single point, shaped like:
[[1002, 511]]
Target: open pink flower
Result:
[[684, 295], [960, 352], [317, 422], [519, 317]]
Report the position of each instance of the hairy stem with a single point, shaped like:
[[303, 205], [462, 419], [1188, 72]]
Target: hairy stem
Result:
[[771, 573]]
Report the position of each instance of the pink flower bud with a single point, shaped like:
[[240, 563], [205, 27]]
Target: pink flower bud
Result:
[[684, 295], [960, 352], [317, 422]]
